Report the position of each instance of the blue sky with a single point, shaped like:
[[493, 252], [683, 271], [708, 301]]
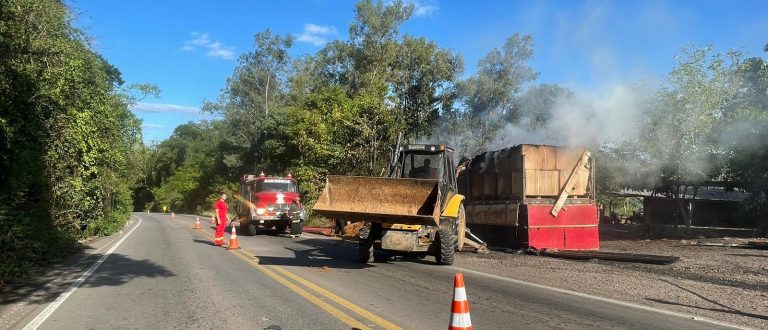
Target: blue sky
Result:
[[189, 48]]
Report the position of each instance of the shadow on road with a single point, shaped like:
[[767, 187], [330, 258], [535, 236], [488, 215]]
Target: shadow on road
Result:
[[724, 309], [321, 253], [202, 241], [116, 270]]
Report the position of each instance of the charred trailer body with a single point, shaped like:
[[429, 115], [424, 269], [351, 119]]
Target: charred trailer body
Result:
[[532, 196]]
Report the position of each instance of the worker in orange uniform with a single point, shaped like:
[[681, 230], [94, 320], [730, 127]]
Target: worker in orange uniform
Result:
[[220, 215]]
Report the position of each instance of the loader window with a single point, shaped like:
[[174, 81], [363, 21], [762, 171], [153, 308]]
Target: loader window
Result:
[[422, 165]]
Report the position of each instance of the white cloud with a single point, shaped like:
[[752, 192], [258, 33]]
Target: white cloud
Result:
[[215, 48], [164, 107], [316, 34], [319, 29], [152, 126], [421, 10], [201, 39]]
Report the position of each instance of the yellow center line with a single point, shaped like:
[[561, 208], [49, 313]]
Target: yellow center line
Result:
[[315, 300], [341, 301], [245, 256]]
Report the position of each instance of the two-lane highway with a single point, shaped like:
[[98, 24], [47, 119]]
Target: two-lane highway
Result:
[[165, 274]]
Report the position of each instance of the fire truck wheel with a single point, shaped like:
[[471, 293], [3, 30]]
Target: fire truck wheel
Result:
[[446, 246], [246, 229]]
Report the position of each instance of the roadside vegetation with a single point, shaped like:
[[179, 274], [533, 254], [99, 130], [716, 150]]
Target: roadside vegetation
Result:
[[66, 138], [73, 164]]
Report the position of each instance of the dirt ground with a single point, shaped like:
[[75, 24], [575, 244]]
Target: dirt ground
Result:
[[721, 283]]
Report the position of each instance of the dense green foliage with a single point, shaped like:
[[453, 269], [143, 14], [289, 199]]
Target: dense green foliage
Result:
[[66, 137]]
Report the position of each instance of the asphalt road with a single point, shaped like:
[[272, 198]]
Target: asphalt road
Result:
[[165, 274]]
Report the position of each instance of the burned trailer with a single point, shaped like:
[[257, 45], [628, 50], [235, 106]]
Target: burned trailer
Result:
[[532, 196]]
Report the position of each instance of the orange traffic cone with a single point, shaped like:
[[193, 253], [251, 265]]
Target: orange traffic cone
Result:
[[197, 223], [173, 215], [460, 307], [233, 239]]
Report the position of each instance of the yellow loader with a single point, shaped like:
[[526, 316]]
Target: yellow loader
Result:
[[417, 209]]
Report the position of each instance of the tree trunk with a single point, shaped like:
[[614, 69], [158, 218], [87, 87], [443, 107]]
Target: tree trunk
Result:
[[266, 97]]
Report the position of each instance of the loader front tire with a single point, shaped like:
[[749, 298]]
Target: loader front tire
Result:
[[446, 246]]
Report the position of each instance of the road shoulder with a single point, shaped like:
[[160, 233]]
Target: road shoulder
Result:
[[21, 301]]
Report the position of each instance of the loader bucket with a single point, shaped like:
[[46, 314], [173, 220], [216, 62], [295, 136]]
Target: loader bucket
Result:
[[382, 200]]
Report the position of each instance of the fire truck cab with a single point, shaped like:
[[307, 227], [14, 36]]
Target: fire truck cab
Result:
[[269, 202]]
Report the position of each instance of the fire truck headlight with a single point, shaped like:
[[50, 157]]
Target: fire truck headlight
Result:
[[260, 211]]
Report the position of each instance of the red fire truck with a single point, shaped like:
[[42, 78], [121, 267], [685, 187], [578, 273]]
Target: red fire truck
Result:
[[269, 202]]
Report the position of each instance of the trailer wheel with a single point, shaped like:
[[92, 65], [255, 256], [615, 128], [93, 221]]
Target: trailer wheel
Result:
[[446, 246], [365, 245]]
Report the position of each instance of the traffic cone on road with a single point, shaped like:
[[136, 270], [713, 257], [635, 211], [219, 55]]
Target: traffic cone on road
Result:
[[460, 307], [173, 215], [197, 223], [233, 239]]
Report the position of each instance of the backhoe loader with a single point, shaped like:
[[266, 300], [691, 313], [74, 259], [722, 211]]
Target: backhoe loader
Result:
[[417, 209]]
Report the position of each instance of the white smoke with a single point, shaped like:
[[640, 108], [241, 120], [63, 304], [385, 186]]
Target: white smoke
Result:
[[611, 115]]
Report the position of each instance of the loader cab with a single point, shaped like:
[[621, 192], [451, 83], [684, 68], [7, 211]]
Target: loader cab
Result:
[[424, 161]]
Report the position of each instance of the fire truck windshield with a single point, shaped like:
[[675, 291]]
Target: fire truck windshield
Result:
[[276, 185]]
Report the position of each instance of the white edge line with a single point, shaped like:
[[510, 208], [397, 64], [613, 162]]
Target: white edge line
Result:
[[37, 321], [609, 300]]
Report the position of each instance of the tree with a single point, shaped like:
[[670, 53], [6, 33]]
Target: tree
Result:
[[679, 130], [500, 76], [65, 135], [743, 133], [537, 104], [487, 98], [424, 77], [250, 103]]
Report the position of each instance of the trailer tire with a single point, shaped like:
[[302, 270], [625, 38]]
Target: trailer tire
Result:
[[365, 246], [446, 246]]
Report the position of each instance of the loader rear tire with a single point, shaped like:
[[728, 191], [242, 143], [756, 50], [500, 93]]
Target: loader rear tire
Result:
[[365, 250], [365, 246], [446, 246]]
